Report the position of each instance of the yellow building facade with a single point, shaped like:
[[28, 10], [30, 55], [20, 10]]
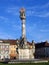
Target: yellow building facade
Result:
[[12, 49]]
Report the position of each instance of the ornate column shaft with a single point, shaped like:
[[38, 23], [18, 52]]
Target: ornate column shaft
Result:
[[23, 18]]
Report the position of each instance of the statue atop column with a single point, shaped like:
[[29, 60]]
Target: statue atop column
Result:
[[23, 18]]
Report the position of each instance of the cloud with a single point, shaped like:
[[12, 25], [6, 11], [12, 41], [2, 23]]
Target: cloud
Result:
[[38, 11], [38, 14], [30, 29], [13, 10], [44, 30], [42, 15], [4, 19], [4, 35], [45, 5], [16, 27]]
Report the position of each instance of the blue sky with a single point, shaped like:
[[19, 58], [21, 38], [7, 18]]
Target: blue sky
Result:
[[37, 19]]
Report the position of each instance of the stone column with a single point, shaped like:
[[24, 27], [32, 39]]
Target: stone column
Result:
[[23, 18]]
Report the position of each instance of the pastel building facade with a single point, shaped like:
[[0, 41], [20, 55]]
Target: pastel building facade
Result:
[[4, 49], [8, 49], [11, 49], [13, 46]]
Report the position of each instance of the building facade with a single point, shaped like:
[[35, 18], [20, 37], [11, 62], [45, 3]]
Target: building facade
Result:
[[13, 46], [42, 50], [4, 49], [8, 49]]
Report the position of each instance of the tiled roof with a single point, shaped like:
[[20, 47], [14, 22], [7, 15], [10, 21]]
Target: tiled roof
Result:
[[29, 43], [42, 44], [11, 41]]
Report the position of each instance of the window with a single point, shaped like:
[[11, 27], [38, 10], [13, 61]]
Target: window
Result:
[[14, 51], [6, 52], [0, 57], [7, 46], [14, 46], [11, 51], [1, 46]]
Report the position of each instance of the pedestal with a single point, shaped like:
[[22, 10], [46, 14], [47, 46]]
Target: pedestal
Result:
[[25, 54]]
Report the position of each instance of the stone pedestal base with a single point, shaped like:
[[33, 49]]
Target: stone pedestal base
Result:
[[25, 54]]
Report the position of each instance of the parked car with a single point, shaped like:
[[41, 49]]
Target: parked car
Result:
[[6, 60]]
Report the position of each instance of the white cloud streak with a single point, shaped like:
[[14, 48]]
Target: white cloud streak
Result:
[[31, 11], [43, 15], [13, 10], [44, 30], [16, 27], [4, 35], [4, 18], [45, 5]]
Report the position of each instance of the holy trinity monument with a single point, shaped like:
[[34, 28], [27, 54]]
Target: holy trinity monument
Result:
[[23, 48]]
